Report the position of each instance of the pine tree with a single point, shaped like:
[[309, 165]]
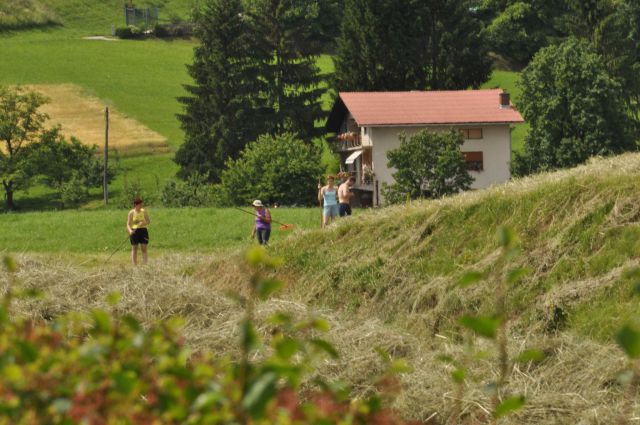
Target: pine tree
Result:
[[289, 32], [357, 48], [410, 45], [223, 111], [458, 54]]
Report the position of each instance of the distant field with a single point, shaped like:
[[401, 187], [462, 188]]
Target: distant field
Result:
[[21, 14], [83, 116], [172, 229]]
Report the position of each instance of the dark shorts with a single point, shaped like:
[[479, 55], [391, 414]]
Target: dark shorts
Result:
[[139, 236], [345, 209]]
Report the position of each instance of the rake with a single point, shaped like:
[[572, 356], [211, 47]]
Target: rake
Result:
[[116, 250], [283, 226]]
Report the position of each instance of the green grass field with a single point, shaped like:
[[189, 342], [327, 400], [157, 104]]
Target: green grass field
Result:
[[172, 229], [508, 81]]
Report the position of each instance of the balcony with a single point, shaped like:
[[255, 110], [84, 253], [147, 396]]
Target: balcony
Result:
[[349, 141]]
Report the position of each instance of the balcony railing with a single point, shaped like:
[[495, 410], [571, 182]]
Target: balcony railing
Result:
[[349, 140]]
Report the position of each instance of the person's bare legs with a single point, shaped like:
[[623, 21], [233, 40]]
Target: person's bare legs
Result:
[[144, 253], [134, 254]]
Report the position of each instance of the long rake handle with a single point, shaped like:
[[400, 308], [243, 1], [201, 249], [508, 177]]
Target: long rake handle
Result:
[[253, 214], [117, 249]]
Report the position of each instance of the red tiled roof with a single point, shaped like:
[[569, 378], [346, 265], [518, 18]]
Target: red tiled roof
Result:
[[428, 107]]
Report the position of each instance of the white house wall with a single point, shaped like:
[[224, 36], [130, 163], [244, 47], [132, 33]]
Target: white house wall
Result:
[[495, 146]]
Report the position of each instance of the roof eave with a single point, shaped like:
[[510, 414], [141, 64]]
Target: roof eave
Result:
[[441, 124]]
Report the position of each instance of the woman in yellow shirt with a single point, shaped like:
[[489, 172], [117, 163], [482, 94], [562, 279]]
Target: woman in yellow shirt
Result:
[[137, 222]]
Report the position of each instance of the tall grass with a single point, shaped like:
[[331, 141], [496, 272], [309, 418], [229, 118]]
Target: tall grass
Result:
[[25, 14]]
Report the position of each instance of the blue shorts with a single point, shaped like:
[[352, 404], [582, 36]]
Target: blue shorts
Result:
[[331, 210]]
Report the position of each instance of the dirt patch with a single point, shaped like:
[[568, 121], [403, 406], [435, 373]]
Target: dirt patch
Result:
[[99, 38], [82, 116]]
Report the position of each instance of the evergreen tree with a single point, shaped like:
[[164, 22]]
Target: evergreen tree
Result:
[[289, 32], [358, 49], [617, 39], [458, 54], [409, 45], [223, 111]]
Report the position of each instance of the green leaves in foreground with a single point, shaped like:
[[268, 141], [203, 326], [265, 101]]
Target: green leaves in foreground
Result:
[[509, 406], [628, 338], [10, 264], [483, 326]]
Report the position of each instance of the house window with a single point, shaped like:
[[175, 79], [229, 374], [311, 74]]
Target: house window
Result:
[[474, 161], [471, 133]]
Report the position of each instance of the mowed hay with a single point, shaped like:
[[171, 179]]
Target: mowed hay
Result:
[[575, 384], [83, 116]]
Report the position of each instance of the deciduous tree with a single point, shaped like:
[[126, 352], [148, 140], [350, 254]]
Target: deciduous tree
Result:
[[575, 109], [21, 123], [427, 164], [68, 166], [279, 168]]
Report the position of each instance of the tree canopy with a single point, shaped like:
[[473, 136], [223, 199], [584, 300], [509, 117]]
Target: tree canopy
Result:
[[254, 73], [21, 123], [410, 45], [574, 107], [222, 111], [427, 165], [279, 168]]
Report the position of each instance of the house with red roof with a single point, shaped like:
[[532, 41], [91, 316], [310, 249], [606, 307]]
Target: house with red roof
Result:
[[368, 124]]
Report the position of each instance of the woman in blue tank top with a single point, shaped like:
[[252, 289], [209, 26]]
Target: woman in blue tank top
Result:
[[329, 197]]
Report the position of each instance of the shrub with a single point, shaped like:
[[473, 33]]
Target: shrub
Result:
[[130, 32], [74, 191], [195, 192], [180, 29], [132, 190], [278, 168]]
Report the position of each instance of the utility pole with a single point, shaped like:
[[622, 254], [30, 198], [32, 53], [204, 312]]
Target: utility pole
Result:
[[105, 187]]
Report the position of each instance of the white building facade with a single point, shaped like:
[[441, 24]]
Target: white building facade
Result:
[[368, 125]]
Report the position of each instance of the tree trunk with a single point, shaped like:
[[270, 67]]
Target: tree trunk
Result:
[[8, 190]]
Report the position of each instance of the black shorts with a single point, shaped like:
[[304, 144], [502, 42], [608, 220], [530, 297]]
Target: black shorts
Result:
[[139, 236], [344, 209]]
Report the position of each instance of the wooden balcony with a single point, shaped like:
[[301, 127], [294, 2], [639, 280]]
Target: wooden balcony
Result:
[[349, 141]]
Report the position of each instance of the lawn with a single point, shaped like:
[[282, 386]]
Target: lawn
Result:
[[172, 229], [508, 80]]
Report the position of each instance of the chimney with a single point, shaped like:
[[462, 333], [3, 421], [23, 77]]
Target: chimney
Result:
[[505, 100]]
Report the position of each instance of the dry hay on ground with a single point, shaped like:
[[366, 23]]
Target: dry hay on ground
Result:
[[575, 384], [83, 116]]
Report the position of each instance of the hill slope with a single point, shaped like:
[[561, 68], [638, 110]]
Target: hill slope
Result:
[[387, 278], [580, 241]]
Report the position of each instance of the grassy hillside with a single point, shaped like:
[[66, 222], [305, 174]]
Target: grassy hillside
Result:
[[21, 14], [579, 234], [388, 278]]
